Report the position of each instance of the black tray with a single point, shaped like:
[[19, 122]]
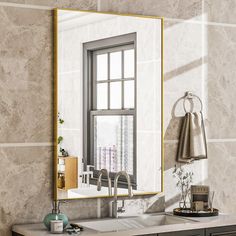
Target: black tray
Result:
[[189, 213]]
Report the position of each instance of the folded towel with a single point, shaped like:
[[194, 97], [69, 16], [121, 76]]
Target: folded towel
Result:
[[192, 142]]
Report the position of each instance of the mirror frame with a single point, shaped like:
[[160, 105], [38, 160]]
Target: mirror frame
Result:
[[55, 101]]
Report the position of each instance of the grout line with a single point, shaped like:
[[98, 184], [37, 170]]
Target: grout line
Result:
[[49, 144], [199, 22], [183, 20], [22, 5], [26, 144], [219, 24], [173, 141]]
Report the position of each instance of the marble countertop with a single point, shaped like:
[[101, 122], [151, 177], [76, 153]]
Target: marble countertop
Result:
[[203, 222]]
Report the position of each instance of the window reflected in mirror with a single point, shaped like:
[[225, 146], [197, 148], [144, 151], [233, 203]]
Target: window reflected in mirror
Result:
[[109, 104], [114, 143]]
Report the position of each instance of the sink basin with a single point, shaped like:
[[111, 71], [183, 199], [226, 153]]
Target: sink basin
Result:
[[144, 221]]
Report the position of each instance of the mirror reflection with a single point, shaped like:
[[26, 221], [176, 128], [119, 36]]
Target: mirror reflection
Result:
[[109, 104]]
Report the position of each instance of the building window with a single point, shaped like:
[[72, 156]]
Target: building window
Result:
[[111, 119]]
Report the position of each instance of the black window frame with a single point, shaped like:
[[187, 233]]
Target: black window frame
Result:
[[89, 107]]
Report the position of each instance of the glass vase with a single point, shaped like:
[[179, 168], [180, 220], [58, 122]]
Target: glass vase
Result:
[[185, 202], [55, 216]]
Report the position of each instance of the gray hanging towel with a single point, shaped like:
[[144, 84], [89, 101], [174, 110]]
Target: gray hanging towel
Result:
[[192, 141]]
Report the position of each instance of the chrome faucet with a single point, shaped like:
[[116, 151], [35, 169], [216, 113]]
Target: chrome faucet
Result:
[[114, 208], [99, 182]]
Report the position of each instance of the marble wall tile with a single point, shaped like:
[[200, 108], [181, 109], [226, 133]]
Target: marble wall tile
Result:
[[183, 45], [221, 107], [26, 187], [148, 204], [77, 209], [222, 174], [138, 205], [82, 4], [13, 1], [220, 11], [213, 82], [183, 9], [172, 192], [183, 71], [26, 106], [26, 75]]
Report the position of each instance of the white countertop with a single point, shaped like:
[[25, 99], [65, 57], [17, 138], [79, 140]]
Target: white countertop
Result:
[[203, 222]]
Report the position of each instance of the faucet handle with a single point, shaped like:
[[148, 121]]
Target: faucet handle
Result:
[[121, 209]]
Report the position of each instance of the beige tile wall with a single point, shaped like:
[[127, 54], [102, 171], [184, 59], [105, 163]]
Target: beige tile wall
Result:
[[81, 4], [183, 9], [26, 106], [199, 56]]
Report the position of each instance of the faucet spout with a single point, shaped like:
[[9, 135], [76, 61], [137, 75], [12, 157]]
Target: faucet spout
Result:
[[104, 172], [117, 176], [130, 191]]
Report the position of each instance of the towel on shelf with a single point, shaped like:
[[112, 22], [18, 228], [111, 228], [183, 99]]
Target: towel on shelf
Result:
[[192, 142]]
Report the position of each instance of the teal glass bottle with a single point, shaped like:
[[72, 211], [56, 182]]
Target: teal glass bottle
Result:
[[55, 215]]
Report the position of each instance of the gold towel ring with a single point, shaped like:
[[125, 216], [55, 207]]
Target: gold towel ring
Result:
[[190, 95]]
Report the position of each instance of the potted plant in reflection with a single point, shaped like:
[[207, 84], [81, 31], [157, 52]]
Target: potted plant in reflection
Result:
[[62, 151], [184, 179]]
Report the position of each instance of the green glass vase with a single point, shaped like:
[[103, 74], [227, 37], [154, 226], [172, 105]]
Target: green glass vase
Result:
[[55, 216]]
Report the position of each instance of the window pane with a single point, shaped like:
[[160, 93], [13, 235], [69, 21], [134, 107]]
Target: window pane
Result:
[[102, 67], [102, 92], [115, 65], [113, 143], [129, 63], [129, 94], [115, 95]]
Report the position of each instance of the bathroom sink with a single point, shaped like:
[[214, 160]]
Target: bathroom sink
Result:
[[144, 221]]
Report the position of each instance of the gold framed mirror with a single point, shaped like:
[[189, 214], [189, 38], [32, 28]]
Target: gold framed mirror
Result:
[[108, 104]]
